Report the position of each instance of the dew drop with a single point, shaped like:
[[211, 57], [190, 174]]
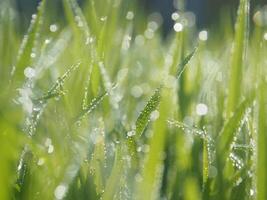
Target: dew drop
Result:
[[33, 55], [104, 18], [178, 27], [203, 35], [60, 191], [154, 115], [41, 161], [29, 72], [53, 28], [175, 16], [201, 109], [50, 149]]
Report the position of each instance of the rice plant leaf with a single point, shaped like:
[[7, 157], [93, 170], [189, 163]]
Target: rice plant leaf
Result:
[[238, 56]]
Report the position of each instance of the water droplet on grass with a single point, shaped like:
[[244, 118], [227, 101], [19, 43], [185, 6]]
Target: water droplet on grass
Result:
[[104, 18], [178, 27], [29, 72], [53, 28], [201, 109], [50, 149], [60, 191], [175, 16], [41, 161], [154, 115], [203, 35]]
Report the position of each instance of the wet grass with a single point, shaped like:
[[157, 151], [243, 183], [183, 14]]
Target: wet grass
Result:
[[95, 104]]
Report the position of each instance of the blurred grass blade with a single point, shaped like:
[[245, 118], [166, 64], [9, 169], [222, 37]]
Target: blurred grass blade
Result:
[[30, 39], [113, 181], [261, 173], [206, 162], [238, 56], [98, 161]]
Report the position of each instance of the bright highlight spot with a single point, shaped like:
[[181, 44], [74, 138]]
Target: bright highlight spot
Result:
[[201, 109], [53, 28], [178, 27], [203, 35], [60, 191], [29, 72]]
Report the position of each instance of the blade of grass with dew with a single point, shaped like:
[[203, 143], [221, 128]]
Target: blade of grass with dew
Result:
[[144, 116], [238, 56], [57, 89], [149, 186], [184, 63], [91, 107], [228, 132], [261, 173], [115, 176], [30, 39], [98, 161]]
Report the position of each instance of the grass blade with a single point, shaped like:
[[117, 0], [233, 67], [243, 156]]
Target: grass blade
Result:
[[261, 173], [238, 56]]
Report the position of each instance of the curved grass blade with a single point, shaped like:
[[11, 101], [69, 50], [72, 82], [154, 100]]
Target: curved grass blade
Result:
[[238, 56]]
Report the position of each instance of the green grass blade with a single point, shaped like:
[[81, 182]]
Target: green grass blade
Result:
[[238, 56], [148, 188], [30, 39], [115, 176], [144, 116], [261, 173], [228, 132], [184, 63]]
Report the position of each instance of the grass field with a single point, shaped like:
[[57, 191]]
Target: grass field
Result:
[[94, 104]]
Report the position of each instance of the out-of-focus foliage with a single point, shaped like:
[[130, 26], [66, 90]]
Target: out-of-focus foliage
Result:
[[94, 104]]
